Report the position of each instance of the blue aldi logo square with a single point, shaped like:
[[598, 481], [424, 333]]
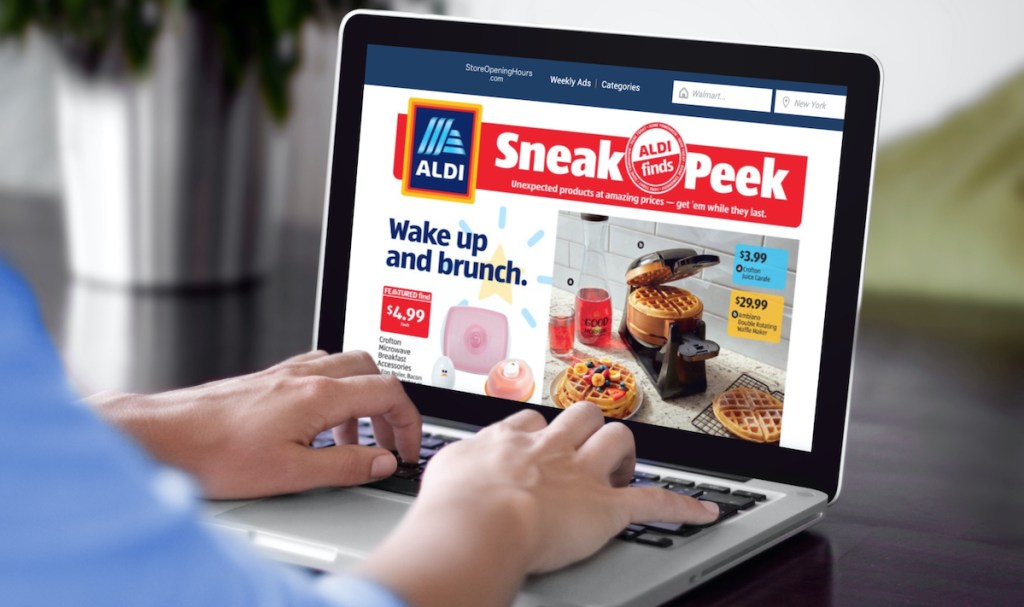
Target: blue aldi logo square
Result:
[[442, 145]]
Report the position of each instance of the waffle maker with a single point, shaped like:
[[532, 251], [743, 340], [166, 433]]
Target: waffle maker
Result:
[[663, 326]]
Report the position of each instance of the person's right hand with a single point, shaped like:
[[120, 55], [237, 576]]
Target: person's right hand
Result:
[[521, 497]]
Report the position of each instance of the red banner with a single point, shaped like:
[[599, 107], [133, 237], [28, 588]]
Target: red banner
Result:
[[742, 185]]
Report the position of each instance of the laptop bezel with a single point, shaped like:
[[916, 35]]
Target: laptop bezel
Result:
[[820, 468]]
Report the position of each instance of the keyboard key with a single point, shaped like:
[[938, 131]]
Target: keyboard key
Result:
[[646, 483], [724, 512], [630, 532], [673, 528], [737, 502], [687, 491], [678, 481], [645, 476], [757, 497], [367, 441], [711, 487], [427, 453], [431, 442], [653, 540], [322, 441], [408, 471]]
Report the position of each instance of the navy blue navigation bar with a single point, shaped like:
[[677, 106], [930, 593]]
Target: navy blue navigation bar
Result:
[[640, 89]]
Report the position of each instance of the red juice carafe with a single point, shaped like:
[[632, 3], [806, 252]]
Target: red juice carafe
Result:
[[593, 299]]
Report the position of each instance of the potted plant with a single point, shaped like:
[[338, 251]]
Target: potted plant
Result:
[[170, 119]]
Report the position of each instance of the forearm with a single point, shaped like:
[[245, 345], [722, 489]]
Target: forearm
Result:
[[450, 555]]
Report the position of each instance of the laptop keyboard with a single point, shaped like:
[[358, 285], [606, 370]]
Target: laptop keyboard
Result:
[[406, 480]]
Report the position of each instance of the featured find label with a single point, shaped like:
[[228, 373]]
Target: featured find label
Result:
[[656, 158]]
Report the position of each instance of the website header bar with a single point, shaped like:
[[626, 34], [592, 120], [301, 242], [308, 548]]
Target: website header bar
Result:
[[608, 86]]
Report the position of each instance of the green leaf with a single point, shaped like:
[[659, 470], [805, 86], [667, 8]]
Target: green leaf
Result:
[[15, 16]]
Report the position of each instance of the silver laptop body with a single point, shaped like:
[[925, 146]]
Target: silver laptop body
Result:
[[332, 530]]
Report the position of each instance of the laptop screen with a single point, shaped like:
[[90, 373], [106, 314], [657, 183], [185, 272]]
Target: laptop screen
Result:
[[542, 231], [672, 229]]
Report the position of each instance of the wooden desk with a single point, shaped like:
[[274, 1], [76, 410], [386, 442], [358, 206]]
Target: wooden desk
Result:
[[932, 507]]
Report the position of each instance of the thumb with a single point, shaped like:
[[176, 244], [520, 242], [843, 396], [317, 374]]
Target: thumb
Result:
[[344, 465]]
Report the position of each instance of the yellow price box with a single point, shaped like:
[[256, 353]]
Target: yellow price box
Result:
[[755, 316]]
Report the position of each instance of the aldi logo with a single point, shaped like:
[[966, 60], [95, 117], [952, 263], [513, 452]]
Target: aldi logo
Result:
[[442, 148]]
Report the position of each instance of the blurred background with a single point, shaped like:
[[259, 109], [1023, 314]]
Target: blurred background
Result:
[[218, 116], [162, 171]]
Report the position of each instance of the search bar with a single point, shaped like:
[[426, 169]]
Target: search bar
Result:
[[722, 96], [816, 105]]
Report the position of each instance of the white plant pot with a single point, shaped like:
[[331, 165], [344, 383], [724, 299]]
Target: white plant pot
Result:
[[169, 179]]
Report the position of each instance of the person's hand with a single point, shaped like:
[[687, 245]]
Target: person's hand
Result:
[[521, 497], [249, 436]]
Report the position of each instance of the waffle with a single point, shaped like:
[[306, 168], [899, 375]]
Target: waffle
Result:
[[750, 414], [653, 273], [665, 302], [576, 386]]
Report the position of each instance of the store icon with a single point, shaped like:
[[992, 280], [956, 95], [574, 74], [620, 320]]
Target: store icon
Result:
[[683, 93]]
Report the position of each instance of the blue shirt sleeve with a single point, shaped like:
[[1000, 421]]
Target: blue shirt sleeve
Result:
[[87, 518]]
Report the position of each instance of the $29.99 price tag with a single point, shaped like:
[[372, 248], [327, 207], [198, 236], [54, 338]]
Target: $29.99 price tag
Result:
[[755, 316], [405, 312]]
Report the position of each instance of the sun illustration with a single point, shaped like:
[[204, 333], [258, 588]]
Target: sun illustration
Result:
[[503, 290]]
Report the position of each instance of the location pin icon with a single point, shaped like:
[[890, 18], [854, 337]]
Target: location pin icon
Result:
[[785, 102]]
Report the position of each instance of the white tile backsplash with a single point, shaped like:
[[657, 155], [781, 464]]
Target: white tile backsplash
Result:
[[633, 244], [784, 243], [717, 240], [633, 224], [562, 256]]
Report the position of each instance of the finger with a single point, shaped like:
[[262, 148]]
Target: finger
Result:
[[612, 451], [346, 433], [384, 435], [651, 504], [341, 465], [336, 401], [576, 424], [526, 420], [340, 364]]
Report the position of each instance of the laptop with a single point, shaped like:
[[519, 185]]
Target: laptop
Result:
[[523, 217]]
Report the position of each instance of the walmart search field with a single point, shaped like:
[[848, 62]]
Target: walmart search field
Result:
[[725, 96], [815, 105]]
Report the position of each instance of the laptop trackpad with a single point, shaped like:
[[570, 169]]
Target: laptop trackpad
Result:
[[353, 520]]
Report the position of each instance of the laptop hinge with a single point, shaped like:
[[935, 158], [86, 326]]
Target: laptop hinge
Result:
[[725, 475]]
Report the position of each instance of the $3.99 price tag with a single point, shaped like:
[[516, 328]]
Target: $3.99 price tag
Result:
[[405, 312], [755, 316]]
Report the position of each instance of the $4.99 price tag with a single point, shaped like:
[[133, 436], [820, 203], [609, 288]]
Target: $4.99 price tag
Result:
[[755, 316], [405, 312]]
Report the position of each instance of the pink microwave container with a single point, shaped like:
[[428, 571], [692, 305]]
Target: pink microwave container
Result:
[[475, 339]]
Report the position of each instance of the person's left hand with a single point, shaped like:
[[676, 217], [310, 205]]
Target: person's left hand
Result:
[[250, 436]]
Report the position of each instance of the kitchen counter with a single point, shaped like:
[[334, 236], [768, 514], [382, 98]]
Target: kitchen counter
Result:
[[677, 412]]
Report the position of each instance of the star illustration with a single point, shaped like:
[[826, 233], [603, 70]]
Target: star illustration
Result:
[[492, 287]]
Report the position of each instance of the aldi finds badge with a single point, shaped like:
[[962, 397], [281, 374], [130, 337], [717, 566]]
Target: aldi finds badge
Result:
[[656, 158], [442, 149]]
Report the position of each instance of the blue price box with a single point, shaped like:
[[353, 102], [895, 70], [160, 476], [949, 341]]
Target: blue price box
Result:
[[760, 267]]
